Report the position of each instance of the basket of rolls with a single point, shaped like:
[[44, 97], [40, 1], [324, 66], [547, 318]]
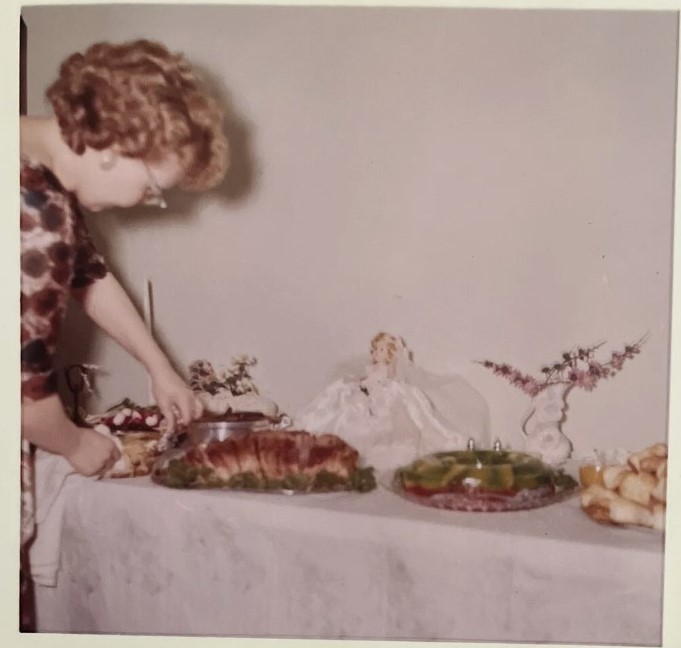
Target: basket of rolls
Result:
[[630, 493]]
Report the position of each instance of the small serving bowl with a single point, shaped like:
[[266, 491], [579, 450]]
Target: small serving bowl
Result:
[[591, 474]]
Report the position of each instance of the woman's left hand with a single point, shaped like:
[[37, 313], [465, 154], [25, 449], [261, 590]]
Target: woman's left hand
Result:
[[177, 402]]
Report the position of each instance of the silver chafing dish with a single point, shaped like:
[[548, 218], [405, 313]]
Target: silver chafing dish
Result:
[[208, 429]]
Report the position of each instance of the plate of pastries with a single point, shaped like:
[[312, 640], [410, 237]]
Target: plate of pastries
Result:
[[630, 493]]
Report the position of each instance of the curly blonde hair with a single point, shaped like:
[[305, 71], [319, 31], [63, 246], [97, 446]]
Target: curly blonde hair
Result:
[[144, 102], [391, 340]]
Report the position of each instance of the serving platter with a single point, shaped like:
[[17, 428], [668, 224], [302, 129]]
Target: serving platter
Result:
[[486, 502], [482, 481], [265, 461]]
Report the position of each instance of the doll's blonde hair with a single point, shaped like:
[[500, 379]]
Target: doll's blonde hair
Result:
[[142, 101], [391, 341]]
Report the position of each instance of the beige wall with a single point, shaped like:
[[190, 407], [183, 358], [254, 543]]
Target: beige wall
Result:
[[488, 184]]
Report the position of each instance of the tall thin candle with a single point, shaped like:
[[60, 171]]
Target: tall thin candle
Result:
[[149, 320]]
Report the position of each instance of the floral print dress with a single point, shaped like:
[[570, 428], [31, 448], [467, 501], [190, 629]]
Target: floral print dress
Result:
[[57, 256]]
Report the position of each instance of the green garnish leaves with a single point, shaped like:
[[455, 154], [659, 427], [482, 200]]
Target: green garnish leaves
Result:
[[299, 482], [363, 480], [246, 480], [182, 475], [564, 481]]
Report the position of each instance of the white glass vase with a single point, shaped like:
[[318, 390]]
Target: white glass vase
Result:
[[542, 425]]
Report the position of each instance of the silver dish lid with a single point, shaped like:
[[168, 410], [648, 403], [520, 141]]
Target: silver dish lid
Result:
[[209, 429]]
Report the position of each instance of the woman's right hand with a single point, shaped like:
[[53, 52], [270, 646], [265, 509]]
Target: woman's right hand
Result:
[[93, 453]]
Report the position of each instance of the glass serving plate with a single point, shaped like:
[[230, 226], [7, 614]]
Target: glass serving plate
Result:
[[482, 481]]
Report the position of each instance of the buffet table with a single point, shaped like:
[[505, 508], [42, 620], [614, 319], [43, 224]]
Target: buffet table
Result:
[[142, 559]]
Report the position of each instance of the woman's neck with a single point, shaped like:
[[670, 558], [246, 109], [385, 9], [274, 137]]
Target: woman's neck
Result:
[[41, 143], [34, 139]]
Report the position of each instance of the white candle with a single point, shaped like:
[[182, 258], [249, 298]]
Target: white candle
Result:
[[148, 306], [149, 321]]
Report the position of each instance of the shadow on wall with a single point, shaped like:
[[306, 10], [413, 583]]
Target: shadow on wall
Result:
[[78, 332], [240, 181]]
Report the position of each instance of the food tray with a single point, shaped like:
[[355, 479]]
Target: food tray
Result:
[[481, 481]]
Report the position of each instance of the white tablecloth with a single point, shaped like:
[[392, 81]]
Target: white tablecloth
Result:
[[139, 558]]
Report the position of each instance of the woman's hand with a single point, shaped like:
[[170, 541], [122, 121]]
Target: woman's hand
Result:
[[107, 304], [45, 425], [177, 402], [92, 453]]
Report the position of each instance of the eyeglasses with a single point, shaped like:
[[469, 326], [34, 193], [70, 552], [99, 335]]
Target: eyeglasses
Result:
[[153, 196]]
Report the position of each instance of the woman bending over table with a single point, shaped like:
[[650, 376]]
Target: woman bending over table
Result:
[[130, 121]]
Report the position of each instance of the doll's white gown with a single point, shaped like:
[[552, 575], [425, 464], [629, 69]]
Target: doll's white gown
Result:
[[392, 419]]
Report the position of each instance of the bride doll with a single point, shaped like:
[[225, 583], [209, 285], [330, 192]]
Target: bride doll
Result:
[[384, 414]]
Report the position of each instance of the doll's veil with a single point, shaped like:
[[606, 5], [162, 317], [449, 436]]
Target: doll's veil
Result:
[[457, 403]]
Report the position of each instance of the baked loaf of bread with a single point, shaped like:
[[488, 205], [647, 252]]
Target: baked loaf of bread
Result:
[[631, 493], [271, 460]]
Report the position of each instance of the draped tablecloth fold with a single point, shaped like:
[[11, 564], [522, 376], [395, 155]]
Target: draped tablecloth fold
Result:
[[138, 558]]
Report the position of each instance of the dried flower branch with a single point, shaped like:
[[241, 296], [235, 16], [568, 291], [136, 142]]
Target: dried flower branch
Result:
[[576, 368], [236, 380]]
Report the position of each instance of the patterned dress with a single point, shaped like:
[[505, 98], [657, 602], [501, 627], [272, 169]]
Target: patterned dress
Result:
[[57, 256]]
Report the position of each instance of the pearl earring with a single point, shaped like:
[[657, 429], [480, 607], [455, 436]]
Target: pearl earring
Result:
[[108, 160]]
